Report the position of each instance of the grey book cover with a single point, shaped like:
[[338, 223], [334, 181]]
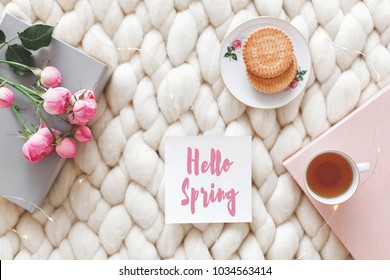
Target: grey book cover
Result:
[[21, 182]]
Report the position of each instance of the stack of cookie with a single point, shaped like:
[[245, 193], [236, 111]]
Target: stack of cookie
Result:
[[269, 59]]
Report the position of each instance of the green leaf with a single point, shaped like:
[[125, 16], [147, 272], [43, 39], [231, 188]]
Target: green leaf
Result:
[[300, 78], [81, 97], [2, 37], [36, 36], [36, 71], [19, 54], [45, 63], [229, 49], [303, 72], [234, 56], [226, 55]]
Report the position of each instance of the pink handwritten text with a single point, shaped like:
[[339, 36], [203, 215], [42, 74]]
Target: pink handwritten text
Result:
[[208, 197], [215, 166]]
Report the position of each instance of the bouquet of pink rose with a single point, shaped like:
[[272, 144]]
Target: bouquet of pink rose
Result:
[[48, 98]]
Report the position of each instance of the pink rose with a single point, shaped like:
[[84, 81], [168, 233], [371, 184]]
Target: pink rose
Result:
[[83, 134], [39, 145], [236, 44], [6, 97], [50, 77], [293, 84], [83, 94], [66, 148], [56, 100], [84, 107]]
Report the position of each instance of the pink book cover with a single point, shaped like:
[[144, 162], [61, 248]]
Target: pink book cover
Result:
[[363, 222]]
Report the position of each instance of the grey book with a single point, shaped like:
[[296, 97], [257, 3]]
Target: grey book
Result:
[[21, 182]]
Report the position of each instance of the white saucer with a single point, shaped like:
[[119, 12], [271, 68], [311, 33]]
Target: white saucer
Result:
[[233, 68]]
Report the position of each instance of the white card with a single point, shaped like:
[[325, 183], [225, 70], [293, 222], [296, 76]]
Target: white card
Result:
[[208, 179]]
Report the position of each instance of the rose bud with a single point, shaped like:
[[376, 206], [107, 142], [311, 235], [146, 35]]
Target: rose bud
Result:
[[6, 97], [84, 107], [83, 94], [293, 84], [83, 134], [38, 145], [66, 148], [56, 100], [50, 77]]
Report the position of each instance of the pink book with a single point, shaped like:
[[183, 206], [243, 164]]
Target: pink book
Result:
[[363, 222]]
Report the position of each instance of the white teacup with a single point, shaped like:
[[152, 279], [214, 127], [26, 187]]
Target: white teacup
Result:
[[332, 177]]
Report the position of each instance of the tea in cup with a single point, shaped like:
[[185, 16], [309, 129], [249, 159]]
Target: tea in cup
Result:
[[332, 177]]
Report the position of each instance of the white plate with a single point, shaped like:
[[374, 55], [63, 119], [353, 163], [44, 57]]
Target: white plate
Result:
[[233, 68]]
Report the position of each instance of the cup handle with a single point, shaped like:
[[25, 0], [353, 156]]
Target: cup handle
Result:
[[363, 167]]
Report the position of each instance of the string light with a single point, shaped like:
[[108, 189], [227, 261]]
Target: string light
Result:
[[29, 202], [81, 180], [25, 237], [326, 224], [176, 118], [335, 208], [378, 149], [378, 75], [171, 98]]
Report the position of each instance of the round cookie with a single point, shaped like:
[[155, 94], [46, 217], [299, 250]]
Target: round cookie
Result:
[[275, 84], [268, 52]]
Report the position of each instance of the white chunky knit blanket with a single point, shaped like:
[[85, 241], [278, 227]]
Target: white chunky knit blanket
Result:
[[108, 203]]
